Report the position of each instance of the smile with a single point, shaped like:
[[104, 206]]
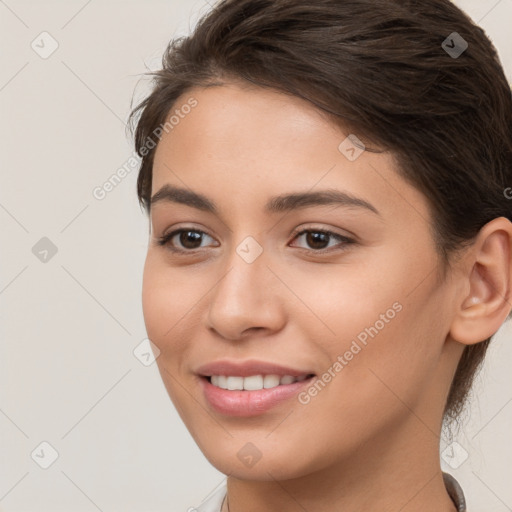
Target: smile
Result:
[[244, 402], [253, 382]]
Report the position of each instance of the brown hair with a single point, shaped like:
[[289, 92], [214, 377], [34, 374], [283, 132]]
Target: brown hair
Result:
[[383, 69]]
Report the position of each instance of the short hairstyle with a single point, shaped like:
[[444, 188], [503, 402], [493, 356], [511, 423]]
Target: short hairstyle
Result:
[[383, 69]]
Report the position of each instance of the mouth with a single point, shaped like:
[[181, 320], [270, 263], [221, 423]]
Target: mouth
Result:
[[250, 387], [254, 382], [254, 395]]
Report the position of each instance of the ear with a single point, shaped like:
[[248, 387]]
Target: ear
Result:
[[486, 306]]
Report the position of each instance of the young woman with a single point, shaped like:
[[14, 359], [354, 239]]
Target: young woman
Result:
[[330, 244]]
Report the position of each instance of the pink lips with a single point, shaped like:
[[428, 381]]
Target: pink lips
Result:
[[248, 403]]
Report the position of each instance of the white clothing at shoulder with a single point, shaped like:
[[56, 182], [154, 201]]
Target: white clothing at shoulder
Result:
[[214, 502]]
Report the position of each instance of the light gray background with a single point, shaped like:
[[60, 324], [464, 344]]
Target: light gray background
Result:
[[69, 326]]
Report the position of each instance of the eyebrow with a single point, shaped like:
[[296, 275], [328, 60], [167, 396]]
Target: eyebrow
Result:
[[277, 204]]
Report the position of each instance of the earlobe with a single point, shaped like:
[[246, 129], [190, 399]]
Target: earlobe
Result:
[[487, 304]]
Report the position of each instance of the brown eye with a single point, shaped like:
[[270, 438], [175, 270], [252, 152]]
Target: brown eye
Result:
[[317, 240], [189, 239], [183, 240]]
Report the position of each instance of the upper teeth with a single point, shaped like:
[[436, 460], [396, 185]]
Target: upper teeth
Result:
[[254, 382]]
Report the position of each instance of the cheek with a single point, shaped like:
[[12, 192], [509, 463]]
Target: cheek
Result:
[[167, 301], [386, 340], [341, 306], [396, 363], [153, 299]]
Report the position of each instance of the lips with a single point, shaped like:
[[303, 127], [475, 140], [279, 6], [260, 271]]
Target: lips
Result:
[[236, 402]]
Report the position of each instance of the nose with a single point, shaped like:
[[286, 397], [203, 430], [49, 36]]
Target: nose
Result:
[[247, 298]]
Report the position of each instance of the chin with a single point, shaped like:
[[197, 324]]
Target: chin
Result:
[[258, 461]]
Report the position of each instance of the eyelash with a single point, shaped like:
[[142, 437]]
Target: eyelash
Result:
[[165, 239]]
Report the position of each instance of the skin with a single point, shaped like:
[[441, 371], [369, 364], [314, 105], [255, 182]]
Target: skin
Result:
[[370, 439]]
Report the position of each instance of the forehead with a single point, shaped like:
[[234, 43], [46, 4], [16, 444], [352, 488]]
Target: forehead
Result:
[[249, 141], [235, 121]]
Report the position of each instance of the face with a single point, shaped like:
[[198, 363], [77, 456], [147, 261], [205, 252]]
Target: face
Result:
[[342, 288]]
